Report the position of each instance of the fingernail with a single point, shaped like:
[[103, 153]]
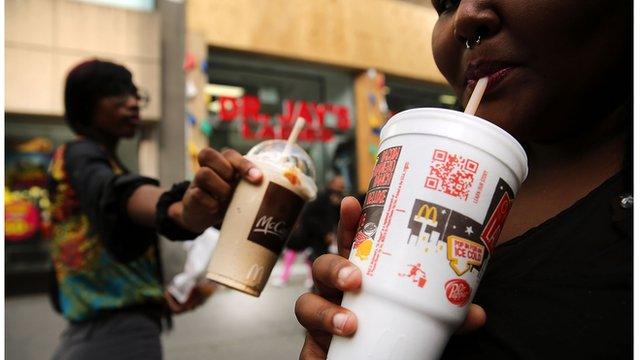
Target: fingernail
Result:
[[254, 173], [344, 273], [339, 320]]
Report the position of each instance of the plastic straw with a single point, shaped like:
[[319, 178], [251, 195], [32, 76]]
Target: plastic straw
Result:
[[293, 137], [476, 96]]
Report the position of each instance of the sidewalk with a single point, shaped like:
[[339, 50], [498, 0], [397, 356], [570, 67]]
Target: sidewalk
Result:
[[230, 326]]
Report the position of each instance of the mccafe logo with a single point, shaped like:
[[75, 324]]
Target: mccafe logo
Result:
[[267, 225], [278, 210]]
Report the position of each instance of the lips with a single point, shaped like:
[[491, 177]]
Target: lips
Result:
[[495, 71]]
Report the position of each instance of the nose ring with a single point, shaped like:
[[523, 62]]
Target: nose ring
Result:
[[471, 45]]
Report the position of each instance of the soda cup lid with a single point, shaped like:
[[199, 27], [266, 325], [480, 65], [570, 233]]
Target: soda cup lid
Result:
[[462, 127], [272, 152]]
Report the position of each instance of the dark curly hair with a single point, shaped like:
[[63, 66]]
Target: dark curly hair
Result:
[[86, 84]]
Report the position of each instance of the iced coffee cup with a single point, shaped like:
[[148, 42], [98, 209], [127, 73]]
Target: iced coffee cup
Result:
[[440, 192], [260, 217]]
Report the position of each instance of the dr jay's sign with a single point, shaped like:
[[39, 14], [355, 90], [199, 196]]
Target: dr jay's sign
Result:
[[322, 120]]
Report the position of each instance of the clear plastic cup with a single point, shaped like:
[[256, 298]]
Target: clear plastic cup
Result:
[[260, 217]]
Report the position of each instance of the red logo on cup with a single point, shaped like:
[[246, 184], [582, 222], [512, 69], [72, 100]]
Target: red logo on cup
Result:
[[492, 229], [359, 239], [458, 292]]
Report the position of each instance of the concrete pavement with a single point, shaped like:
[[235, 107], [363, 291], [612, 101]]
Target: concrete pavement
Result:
[[230, 326]]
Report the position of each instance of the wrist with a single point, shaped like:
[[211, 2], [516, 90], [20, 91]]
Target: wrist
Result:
[[169, 211], [175, 213]]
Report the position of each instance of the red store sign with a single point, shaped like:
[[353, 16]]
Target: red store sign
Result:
[[279, 126]]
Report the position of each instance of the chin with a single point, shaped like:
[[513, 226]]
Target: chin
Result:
[[499, 118], [509, 117], [128, 132]]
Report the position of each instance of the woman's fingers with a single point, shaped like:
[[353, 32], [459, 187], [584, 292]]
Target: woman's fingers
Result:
[[200, 209], [207, 287], [348, 224], [323, 319], [215, 161], [476, 318], [229, 165], [316, 345], [201, 203], [317, 314], [333, 274], [213, 184], [174, 306], [245, 168]]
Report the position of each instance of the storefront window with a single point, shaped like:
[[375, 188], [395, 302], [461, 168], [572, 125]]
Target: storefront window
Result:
[[404, 94], [254, 99]]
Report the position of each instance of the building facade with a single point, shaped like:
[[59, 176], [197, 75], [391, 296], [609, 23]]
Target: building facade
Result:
[[220, 73]]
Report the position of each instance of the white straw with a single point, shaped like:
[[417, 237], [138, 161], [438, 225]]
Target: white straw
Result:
[[476, 96], [293, 137]]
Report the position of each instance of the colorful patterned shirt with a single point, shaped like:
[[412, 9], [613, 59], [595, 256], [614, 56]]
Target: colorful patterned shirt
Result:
[[102, 260]]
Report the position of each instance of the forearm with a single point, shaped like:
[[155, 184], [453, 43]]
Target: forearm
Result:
[[175, 213], [141, 205]]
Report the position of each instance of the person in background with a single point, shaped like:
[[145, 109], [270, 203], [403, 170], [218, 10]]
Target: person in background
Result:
[[559, 284], [321, 216], [314, 233], [105, 218]]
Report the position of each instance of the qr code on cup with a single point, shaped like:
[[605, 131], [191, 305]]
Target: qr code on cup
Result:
[[451, 174]]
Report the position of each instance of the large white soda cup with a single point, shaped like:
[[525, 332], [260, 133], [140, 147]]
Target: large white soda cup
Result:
[[259, 218], [440, 192]]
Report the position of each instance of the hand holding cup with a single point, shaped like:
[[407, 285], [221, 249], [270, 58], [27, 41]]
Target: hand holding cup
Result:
[[206, 200], [320, 313]]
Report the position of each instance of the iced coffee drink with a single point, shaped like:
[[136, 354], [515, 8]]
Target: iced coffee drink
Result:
[[260, 217]]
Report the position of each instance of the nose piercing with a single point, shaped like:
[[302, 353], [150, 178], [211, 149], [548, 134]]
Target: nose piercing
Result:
[[476, 42]]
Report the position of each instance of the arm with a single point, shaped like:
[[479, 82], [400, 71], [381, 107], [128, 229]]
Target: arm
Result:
[[102, 195], [102, 192], [141, 206], [120, 204], [204, 201]]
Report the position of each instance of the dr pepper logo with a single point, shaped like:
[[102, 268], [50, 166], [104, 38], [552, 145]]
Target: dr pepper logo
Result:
[[458, 292]]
